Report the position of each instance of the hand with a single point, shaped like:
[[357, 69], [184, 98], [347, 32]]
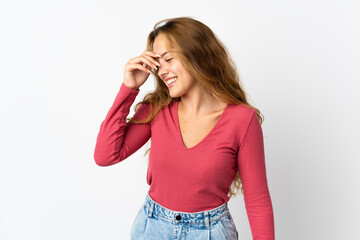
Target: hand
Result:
[[136, 73]]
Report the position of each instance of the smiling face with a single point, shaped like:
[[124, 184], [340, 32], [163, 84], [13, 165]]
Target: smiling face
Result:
[[171, 67]]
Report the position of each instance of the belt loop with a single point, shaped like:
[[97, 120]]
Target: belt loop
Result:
[[151, 210], [207, 219]]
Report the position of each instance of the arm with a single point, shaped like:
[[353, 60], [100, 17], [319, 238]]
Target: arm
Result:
[[251, 164], [118, 139]]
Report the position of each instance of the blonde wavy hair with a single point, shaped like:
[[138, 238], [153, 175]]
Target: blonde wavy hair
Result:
[[206, 59]]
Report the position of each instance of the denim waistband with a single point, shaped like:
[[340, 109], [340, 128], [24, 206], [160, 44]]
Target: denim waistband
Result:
[[177, 217]]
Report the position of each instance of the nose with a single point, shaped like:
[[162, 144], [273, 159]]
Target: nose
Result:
[[162, 71]]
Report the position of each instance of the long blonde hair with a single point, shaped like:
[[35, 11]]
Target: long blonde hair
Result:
[[207, 60]]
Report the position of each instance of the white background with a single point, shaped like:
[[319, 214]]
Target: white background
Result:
[[61, 66]]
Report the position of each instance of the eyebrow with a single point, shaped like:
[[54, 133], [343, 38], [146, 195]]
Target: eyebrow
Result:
[[163, 54], [157, 59]]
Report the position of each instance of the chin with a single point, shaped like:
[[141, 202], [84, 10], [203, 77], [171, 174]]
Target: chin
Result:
[[174, 94], [173, 91]]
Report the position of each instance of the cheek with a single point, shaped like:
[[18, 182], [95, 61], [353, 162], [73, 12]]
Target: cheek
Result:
[[177, 66]]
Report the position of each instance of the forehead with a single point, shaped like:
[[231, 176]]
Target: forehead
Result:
[[160, 44]]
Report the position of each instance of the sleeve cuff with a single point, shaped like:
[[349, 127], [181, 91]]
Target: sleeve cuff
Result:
[[130, 90]]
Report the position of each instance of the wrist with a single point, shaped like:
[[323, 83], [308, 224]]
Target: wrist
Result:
[[133, 87]]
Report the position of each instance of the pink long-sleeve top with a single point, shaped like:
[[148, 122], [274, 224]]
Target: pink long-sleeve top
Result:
[[196, 178]]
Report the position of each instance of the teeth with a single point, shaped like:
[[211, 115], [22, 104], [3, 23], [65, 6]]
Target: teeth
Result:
[[171, 80]]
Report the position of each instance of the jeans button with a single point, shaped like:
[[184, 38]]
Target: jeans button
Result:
[[178, 217]]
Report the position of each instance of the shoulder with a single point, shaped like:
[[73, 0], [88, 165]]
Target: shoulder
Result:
[[239, 118], [144, 107], [241, 113], [142, 111], [147, 108]]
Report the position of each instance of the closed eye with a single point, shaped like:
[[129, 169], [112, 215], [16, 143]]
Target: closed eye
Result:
[[168, 60]]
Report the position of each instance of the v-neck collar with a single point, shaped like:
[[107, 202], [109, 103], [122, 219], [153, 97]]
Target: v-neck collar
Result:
[[202, 140]]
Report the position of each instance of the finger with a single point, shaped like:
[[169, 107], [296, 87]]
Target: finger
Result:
[[152, 60], [154, 55], [141, 59], [140, 67], [148, 62]]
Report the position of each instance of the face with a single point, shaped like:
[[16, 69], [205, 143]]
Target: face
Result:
[[171, 67]]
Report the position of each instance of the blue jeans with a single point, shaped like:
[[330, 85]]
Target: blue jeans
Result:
[[155, 222]]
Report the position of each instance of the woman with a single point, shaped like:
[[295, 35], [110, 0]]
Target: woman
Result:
[[204, 137]]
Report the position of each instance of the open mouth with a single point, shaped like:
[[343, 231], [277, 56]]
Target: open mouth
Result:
[[171, 82]]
